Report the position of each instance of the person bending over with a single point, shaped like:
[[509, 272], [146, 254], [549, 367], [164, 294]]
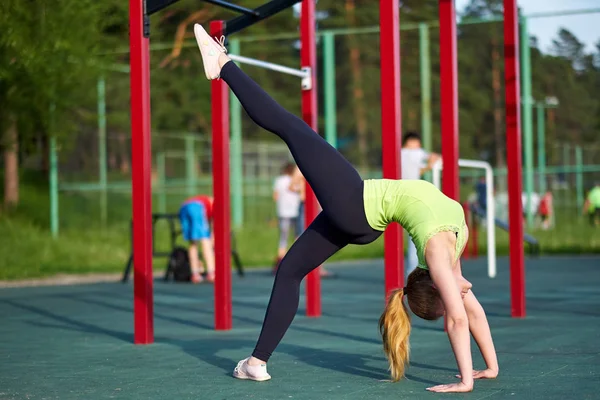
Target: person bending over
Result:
[[357, 211], [195, 216]]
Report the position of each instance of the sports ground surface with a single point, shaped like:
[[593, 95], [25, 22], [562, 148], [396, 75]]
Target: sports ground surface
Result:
[[75, 342]]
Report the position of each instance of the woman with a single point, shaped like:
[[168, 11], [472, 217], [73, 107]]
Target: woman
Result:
[[357, 212]]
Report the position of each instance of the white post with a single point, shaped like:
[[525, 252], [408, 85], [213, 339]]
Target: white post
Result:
[[490, 209]]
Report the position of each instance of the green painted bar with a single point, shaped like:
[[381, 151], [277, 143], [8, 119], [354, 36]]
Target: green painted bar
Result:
[[541, 140], [425, 72], [190, 170], [101, 88], [579, 177], [263, 160], [527, 120], [53, 178], [206, 181], [329, 88], [236, 155], [162, 190]]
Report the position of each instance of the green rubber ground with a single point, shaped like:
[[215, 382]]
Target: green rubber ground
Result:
[[75, 342]]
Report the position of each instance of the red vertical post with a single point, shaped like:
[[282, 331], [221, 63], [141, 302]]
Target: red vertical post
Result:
[[513, 157], [220, 165], [141, 165], [449, 98], [308, 58], [391, 126]]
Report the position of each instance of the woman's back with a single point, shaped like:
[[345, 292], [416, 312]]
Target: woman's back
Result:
[[421, 208]]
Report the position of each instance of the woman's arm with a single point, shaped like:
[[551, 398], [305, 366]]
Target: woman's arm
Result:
[[439, 260], [480, 330]]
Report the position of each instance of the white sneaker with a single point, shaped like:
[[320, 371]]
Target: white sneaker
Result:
[[210, 50], [252, 372]]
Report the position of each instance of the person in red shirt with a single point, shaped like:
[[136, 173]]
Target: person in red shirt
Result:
[[195, 216], [545, 210]]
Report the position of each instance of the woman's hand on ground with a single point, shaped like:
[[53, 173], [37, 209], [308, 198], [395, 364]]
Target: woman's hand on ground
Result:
[[452, 388], [484, 374]]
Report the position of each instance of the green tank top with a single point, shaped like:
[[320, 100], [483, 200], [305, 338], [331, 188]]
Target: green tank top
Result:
[[421, 208]]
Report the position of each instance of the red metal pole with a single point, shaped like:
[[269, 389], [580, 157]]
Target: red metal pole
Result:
[[141, 184], [513, 157], [222, 223], [391, 126], [308, 58], [449, 98]]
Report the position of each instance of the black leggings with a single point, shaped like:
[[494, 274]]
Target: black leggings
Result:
[[337, 186]]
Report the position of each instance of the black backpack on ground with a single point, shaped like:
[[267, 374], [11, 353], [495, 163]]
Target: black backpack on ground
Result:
[[179, 265]]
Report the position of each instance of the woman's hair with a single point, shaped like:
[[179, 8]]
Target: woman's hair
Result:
[[394, 324]]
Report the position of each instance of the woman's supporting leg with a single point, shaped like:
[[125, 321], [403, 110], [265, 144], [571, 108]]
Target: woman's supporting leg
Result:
[[336, 183], [318, 242]]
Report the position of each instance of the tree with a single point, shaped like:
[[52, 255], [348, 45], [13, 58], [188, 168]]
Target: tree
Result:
[[47, 53], [481, 70], [567, 46]]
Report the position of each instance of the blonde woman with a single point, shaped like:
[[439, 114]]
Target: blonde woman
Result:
[[357, 212]]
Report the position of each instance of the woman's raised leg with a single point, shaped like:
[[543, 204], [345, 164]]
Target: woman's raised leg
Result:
[[337, 185]]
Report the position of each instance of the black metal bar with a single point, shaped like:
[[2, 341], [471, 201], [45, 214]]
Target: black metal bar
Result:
[[129, 264], [234, 25], [127, 270], [234, 7], [153, 6], [265, 11]]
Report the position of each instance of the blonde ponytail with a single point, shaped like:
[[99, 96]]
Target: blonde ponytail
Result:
[[394, 326]]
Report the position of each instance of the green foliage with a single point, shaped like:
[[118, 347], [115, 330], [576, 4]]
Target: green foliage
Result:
[[54, 53], [48, 53]]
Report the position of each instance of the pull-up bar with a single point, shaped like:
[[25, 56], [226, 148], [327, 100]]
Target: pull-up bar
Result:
[[305, 73], [234, 7], [153, 6], [249, 17]]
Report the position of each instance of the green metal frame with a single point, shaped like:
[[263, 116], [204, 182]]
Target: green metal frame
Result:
[[237, 173], [527, 123]]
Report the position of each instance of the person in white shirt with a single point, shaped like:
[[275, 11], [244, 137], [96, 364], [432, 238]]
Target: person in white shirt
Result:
[[298, 185], [415, 162], [287, 203]]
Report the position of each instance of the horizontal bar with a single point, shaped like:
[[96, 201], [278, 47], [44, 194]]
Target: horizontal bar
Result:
[[153, 6], [268, 65], [264, 11], [548, 14], [234, 7], [179, 184]]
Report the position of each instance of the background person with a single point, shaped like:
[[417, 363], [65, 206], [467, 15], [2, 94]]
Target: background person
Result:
[[415, 162], [195, 216]]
